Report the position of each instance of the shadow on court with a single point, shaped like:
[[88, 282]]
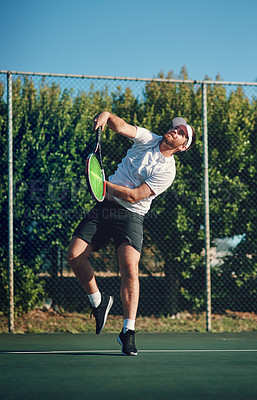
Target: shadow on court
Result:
[[170, 366]]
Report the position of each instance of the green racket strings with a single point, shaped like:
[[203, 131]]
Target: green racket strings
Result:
[[96, 177]]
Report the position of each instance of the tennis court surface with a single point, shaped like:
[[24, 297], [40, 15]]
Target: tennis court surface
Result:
[[168, 366]]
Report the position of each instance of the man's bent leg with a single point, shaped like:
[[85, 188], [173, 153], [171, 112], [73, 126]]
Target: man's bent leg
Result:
[[77, 257]]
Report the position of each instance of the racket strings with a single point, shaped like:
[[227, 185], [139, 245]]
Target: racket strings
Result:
[[96, 178]]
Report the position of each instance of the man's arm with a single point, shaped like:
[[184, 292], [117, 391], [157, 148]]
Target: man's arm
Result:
[[116, 124], [127, 194]]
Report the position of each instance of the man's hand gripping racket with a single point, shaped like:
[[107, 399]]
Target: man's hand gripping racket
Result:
[[95, 172]]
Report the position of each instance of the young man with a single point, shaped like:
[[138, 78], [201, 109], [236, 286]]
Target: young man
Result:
[[147, 170]]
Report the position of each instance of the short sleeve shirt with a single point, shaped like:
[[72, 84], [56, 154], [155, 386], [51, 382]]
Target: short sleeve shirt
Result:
[[144, 163]]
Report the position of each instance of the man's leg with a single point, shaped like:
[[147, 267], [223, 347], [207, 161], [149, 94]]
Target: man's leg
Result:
[[77, 258], [128, 258], [128, 264]]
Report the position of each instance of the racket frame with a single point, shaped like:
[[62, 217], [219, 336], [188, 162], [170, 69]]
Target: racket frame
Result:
[[97, 152]]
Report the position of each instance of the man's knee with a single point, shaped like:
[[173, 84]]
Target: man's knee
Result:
[[78, 251], [130, 272], [71, 257]]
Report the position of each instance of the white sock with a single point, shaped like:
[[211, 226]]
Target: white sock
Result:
[[95, 298], [128, 324]]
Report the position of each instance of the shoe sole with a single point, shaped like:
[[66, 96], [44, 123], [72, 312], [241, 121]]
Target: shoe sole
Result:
[[122, 352], [109, 306]]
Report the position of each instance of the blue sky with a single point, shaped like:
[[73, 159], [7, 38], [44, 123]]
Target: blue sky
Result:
[[136, 38]]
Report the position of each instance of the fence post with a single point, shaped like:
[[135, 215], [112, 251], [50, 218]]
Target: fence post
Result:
[[206, 208], [10, 203]]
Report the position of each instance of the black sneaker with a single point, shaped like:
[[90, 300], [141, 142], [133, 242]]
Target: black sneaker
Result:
[[101, 312], [127, 341]]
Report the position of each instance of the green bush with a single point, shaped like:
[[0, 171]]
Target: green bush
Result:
[[28, 290]]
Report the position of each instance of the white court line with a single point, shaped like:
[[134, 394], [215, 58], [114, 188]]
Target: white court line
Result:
[[141, 351]]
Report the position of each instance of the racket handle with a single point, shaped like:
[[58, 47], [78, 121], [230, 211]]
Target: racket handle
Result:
[[98, 135]]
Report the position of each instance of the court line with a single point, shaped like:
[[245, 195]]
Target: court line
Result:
[[118, 351]]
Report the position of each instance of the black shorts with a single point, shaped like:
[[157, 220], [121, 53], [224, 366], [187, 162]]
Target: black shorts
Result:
[[110, 220]]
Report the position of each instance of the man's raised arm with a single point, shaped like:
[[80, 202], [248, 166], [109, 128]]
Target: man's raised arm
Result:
[[116, 124]]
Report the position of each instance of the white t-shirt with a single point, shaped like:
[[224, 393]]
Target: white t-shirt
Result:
[[144, 163]]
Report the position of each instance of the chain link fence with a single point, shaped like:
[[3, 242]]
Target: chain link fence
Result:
[[50, 121]]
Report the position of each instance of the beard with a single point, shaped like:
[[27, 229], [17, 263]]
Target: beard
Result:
[[168, 139]]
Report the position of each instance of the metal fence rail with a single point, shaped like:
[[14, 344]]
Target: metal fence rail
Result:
[[45, 124]]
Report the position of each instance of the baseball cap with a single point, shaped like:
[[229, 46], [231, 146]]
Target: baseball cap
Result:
[[181, 121]]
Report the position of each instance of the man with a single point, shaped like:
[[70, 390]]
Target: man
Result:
[[147, 170]]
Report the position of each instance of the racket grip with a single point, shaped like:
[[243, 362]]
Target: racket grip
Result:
[[98, 134]]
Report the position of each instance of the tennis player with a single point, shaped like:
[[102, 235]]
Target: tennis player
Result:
[[147, 170]]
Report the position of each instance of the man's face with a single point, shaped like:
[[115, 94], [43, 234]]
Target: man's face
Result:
[[176, 136]]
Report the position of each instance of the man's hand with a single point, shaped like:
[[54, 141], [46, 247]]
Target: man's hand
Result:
[[100, 120]]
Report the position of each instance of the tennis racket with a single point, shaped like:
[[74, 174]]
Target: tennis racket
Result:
[[95, 172]]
